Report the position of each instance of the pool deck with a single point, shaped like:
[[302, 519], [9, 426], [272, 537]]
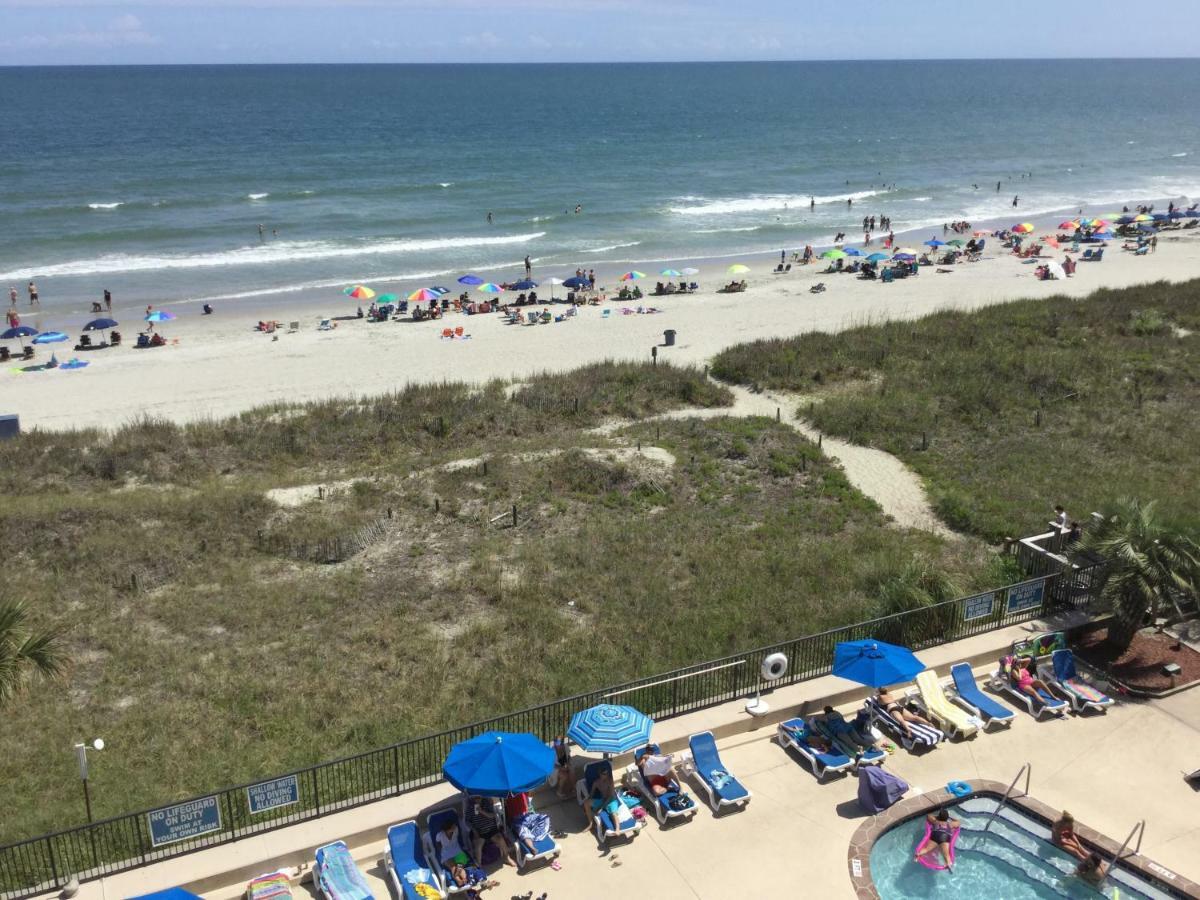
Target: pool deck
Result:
[[1110, 770]]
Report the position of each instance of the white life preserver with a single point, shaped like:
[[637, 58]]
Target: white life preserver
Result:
[[774, 666]]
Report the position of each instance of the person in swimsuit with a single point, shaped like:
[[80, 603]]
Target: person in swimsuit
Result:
[[604, 797], [485, 826], [900, 712], [1025, 681], [1062, 835], [658, 784], [1092, 870], [941, 830]]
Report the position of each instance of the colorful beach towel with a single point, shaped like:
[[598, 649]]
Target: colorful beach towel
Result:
[[268, 887]]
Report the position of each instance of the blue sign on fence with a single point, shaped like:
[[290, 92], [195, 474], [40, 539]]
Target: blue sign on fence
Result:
[[979, 606], [1025, 596], [272, 794], [184, 820]]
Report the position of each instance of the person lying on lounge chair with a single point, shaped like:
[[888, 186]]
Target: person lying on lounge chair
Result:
[[856, 733], [815, 741], [941, 830], [1024, 679], [1062, 835], [900, 711], [661, 783], [486, 827]]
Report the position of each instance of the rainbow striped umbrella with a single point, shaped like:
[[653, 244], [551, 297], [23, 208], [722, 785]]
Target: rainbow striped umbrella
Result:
[[670, 273], [424, 295], [488, 288], [359, 292], [633, 276], [1023, 228]]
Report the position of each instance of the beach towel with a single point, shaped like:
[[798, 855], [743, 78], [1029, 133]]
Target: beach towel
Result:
[[534, 827], [339, 877], [267, 887], [878, 789]]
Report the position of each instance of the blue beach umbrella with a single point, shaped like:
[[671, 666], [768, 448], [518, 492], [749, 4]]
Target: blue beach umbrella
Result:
[[100, 324], [437, 289], [1175, 214], [851, 251], [175, 893], [671, 273], [904, 257], [498, 763], [525, 285], [875, 663], [610, 729], [576, 282], [1160, 217], [1102, 236], [470, 279], [50, 337], [18, 331], [934, 242], [1147, 229], [1193, 213], [878, 257], [160, 315], [1125, 220]]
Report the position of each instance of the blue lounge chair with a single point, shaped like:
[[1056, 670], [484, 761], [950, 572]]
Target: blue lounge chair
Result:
[[1043, 704], [433, 826], [405, 855], [336, 875], [916, 736], [666, 807], [1087, 254], [603, 825], [723, 790], [544, 846], [1079, 693], [794, 734], [968, 695], [843, 735]]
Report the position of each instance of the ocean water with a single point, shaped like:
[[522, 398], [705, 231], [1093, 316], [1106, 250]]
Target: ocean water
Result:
[[152, 182]]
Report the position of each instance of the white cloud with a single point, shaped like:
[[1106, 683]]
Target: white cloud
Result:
[[486, 40], [123, 31]]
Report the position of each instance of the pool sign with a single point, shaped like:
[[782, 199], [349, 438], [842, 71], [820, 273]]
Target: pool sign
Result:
[[183, 821], [979, 606], [273, 794], [1025, 596]]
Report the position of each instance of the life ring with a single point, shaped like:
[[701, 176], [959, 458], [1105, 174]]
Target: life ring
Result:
[[774, 666], [958, 788]]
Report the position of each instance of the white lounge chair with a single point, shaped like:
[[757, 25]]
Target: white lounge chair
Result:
[[952, 719]]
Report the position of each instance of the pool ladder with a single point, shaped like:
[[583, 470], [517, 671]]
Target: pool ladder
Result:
[[1140, 830], [1026, 770]]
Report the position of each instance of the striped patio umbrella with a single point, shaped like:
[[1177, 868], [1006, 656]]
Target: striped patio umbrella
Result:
[[633, 276], [359, 292], [610, 729], [424, 295], [489, 288], [670, 273]]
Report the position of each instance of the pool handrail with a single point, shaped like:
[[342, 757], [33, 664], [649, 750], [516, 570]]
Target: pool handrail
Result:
[[1027, 771], [1139, 829]]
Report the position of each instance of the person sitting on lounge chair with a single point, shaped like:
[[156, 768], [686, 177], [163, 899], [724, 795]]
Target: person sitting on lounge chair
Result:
[[486, 827], [941, 830], [856, 733], [661, 783], [451, 856], [1062, 835], [900, 712], [1024, 679], [603, 797]]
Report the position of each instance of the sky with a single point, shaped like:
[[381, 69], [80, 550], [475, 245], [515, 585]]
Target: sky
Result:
[[74, 32]]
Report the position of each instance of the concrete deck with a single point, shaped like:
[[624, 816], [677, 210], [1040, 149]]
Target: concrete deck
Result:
[[1109, 769]]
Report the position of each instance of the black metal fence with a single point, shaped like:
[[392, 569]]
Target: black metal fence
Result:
[[125, 842]]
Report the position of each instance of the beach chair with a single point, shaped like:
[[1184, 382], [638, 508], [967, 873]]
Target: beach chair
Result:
[[336, 876], [1142, 250], [406, 863], [626, 824], [447, 333], [1087, 254], [272, 886], [793, 734], [842, 735], [544, 846], [968, 695], [434, 824], [1043, 704], [923, 736], [293, 327], [666, 807], [723, 790], [606, 313], [955, 721], [1064, 677]]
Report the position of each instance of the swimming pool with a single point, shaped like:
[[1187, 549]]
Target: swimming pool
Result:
[[1013, 861]]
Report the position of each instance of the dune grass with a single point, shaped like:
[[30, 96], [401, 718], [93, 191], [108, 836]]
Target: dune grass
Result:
[[206, 654], [1011, 409]]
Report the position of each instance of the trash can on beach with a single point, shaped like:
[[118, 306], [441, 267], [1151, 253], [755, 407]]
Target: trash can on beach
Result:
[[669, 337], [10, 426]]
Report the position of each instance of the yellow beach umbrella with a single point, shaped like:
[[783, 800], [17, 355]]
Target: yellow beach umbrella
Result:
[[738, 269]]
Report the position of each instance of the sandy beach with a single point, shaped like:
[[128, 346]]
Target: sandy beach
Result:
[[215, 366]]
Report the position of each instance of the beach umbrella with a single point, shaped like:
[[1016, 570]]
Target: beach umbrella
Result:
[[1176, 214], [670, 273], [877, 257], [1160, 217], [633, 276], [575, 282], [424, 295], [470, 279], [851, 251], [738, 269], [1192, 214], [1141, 217], [383, 299], [934, 242], [50, 337], [552, 282], [498, 763], [905, 257], [526, 285], [359, 292], [1056, 270], [610, 729], [160, 315], [100, 324], [74, 363], [1147, 229], [834, 254], [490, 288], [689, 270], [18, 333], [437, 289], [1023, 228], [905, 251], [1102, 236], [957, 242], [875, 663], [1125, 220], [1070, 225]]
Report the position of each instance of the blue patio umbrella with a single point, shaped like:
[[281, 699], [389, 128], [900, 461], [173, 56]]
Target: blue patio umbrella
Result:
[[100, 324], [18, 331], [875, 663], [470, 279], [577, 282], [610, 729], [525, 285], [851, 251], [878, 257], [934, 242], [498, 763], [175, 893], [50, 337]]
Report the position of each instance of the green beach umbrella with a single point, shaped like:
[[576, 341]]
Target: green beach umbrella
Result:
[[738, 269], [833, 254], [386, 298], [955, 243], [670, 273]]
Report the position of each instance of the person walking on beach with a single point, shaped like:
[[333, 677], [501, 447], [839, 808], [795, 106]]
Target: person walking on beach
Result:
[[528, 268], [849, 202], [33, 295], [108, 300], [997, 187], [1016, 200], [812, 202], [12, 295], [591, 276]]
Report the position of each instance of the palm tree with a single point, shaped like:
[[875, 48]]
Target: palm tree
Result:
[[23, 653], [1144, 560]]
